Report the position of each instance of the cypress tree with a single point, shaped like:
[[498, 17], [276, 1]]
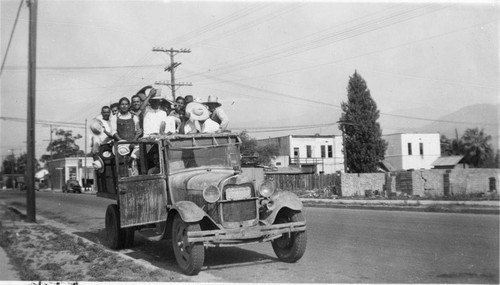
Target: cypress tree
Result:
[[364, 147]]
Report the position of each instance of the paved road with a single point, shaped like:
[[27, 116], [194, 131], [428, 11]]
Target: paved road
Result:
[[344, 246]]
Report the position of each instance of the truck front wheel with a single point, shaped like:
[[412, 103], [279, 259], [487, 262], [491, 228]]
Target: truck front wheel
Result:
[[290, 247], [190, 256]]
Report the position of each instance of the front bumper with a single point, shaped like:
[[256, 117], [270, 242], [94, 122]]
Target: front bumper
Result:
[[245, 235]]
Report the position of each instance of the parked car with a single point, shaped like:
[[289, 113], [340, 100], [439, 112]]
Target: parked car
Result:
[[72, 186], [190, 189]]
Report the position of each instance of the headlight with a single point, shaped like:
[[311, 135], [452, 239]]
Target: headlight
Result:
[[266, 189], [211, 194]]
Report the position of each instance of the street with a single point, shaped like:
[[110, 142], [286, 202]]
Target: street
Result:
[[344, 246]]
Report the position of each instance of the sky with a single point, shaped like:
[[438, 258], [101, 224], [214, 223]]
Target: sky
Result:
[[278, 68]]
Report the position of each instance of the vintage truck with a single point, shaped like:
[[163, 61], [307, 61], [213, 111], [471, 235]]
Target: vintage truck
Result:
[[191, 189]]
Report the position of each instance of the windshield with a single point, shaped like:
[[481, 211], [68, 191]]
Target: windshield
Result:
[[219, 156]]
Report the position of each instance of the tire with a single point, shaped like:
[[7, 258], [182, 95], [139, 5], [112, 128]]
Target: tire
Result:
[[189, 256], [129, 237], [290, 247], [115, 235]]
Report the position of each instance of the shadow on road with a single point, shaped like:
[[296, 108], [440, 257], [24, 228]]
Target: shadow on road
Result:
[[161, 255]]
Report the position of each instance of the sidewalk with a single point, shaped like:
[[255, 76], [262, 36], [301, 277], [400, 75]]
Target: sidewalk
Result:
[[7, 271], [475, 207]]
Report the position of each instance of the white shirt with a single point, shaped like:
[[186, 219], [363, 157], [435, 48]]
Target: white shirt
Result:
[[153, 119], [106, 124], [102, 138], [209, 126], [219, 116]]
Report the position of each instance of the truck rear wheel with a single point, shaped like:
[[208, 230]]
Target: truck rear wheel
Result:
[[115, 235], [290, 247], [189, 256]]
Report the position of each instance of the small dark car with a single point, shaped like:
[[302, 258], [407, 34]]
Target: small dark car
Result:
[[72, 186]]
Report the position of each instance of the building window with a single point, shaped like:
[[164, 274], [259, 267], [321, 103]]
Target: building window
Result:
[[278, 163], [296, 152], [409, 148], [323, 151], [421, 148], [309, 151], [330, 151]]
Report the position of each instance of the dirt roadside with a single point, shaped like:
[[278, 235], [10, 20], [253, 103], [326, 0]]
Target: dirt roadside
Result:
[[47, 250], [44, 251]]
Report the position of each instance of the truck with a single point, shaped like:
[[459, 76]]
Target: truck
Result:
[[190, 189]]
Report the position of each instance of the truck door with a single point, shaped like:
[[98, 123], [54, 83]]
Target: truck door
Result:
[[141, 183]]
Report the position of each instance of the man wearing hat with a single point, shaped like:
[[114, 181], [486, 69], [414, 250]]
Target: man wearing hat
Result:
[[217, 113], [155, 119], [199, 120]]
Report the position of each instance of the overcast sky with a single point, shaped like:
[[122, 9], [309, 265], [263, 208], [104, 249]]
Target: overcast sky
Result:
[[278, 68]]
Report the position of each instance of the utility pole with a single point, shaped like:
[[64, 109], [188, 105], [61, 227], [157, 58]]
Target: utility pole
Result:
[[30, 164], [51, 142], [171, 68], [85, 158]]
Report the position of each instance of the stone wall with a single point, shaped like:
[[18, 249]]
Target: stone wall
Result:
[[355, 184], [473, 180], [423, 183]]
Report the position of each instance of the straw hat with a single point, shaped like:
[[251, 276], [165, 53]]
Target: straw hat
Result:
[[122, 149], [211, 100], [197, 111], [98, 164], [96, 126]]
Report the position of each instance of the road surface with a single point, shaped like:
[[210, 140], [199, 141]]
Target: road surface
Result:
[[344, 246]]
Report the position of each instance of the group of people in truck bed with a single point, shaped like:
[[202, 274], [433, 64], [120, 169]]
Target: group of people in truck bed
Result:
[[149, 112]]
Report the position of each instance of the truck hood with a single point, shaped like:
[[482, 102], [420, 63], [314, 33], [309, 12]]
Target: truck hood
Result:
[[199, 180]]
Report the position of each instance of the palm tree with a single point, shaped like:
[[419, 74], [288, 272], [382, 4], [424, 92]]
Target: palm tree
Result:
[[476, 146]]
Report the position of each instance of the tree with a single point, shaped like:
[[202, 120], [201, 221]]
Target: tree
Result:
[[63, 146], [22, 162], [250, 147], [16, 165], [267, 153], [248, 144], [9, 165], [364, 147], [477, 148], [451, 146]]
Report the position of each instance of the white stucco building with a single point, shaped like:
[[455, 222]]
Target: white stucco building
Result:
[[311, 153], [63, 169], [412, 151]]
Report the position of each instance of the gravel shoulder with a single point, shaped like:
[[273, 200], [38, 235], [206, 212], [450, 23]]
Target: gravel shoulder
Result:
[[46, 251]]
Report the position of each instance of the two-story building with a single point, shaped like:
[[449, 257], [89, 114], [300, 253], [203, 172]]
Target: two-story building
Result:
[[311, 153], [412, 151]]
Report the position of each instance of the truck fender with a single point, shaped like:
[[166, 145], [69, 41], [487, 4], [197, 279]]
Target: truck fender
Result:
[[282, 200], [189, 211]]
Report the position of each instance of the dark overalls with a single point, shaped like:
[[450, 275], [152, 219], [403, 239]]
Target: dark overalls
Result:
[[126, 128]]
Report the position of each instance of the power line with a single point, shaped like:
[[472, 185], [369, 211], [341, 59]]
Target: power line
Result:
[[350, 32], [45, 122], [79, 68], [11, 35]]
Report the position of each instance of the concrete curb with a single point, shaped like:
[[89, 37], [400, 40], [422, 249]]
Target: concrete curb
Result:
[[470, 207]]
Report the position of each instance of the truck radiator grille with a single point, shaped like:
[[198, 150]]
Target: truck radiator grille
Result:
[[238, 211]]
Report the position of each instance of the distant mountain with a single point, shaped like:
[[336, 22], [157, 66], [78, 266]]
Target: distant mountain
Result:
[[482, 116], [400, 121]]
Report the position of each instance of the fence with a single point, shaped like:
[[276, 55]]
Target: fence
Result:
[[433, 182], [295, 182]]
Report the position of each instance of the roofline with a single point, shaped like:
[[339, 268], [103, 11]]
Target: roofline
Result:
[[393, 134], [301, 136]]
